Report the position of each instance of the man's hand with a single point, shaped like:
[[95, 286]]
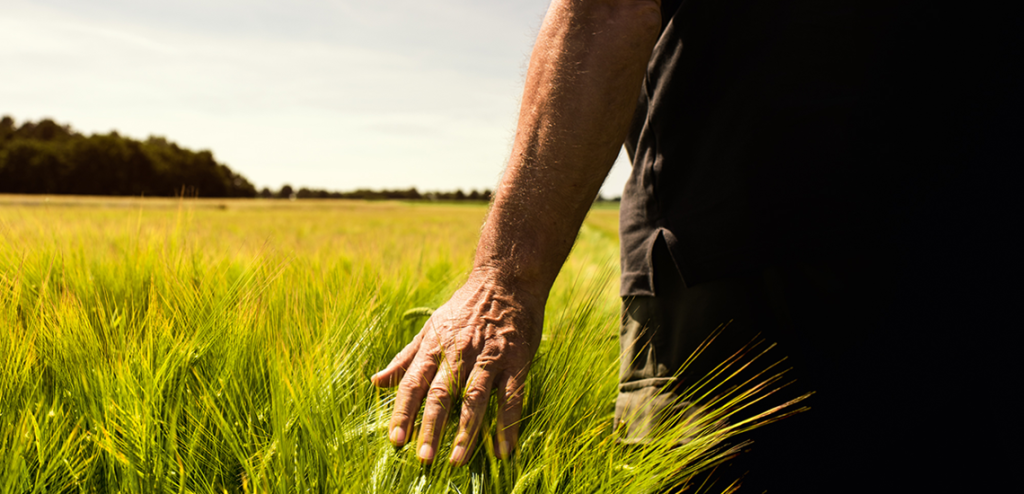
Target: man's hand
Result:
[[482, 339], [581, 90]]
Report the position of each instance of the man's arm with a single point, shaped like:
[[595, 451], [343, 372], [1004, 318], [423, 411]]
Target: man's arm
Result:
[[581, 89]]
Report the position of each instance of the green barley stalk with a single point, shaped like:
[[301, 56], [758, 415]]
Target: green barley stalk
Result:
[[202, 351]]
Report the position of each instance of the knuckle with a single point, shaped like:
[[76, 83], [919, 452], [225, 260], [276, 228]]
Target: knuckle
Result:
[[427, 432], [421, 365], [475, 397], [438, 392], [399, 417], [410, 391], [409, 384]]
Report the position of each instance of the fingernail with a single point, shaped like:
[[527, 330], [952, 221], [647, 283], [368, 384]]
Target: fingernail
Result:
[[459, 452], [397, 436], [426, 452]]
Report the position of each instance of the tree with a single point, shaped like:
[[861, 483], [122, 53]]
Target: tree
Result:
[[47, 157]]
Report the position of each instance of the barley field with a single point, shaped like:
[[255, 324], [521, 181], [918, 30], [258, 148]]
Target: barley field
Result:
[[205, 346]]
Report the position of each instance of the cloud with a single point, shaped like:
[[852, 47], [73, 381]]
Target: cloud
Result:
[[299, 92]]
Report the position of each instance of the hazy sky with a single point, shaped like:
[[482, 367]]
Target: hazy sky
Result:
[[333, 94]]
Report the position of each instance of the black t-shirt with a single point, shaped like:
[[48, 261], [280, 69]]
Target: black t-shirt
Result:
[[760, 136], [770, 131]]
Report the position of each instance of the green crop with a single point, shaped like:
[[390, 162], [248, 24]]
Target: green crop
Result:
[[180, 348]]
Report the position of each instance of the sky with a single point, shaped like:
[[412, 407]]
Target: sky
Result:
[[332, 94]]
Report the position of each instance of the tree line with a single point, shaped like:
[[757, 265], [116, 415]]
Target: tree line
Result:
[[412, 194], [49, 158]]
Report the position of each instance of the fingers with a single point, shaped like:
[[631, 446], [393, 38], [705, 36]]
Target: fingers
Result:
[[411, 391], [474, 406], [393, 373], [510, 412], [426, 380], [435, 412]]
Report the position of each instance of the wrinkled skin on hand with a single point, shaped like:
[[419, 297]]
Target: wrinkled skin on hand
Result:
[[483, 339]]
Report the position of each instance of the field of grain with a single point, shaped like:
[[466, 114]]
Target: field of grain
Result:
[[225, 346]]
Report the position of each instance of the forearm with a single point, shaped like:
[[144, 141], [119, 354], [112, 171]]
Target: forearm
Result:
[[581, 89]]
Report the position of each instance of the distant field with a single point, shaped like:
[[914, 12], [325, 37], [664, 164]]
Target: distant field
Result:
[[160, 345]]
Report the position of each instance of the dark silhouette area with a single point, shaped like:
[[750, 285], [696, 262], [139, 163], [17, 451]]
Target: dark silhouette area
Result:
[[49, 158]]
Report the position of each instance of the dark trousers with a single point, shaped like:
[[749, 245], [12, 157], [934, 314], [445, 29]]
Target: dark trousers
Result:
[[828, 320]]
